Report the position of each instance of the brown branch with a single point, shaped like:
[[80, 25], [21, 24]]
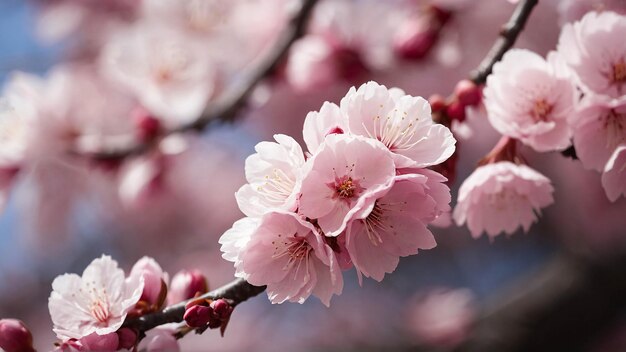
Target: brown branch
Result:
[[236, 292], [226, 107], [508, 35]]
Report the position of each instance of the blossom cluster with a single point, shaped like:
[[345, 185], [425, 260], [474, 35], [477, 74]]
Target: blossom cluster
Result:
[[88, 311], [576, 96], [360, 196]]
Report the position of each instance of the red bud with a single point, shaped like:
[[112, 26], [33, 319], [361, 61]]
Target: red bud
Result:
[[15, 337]]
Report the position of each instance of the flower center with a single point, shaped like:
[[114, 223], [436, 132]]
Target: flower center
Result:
[[277, 186], [347, 188], [100, 311], [296, 249], [541, 110], [619, 72]]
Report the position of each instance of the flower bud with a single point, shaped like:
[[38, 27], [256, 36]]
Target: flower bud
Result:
[[14, 336], [468, 93], [95, 342], [198, 316], [127, 337], [456, 111], [187, 284], [154, 289], [414, 39], [222, 309], [437, 102]]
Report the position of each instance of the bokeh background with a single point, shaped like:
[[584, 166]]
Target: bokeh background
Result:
[[60, 225]]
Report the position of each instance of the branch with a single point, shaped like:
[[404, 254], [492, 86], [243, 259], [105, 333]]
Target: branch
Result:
[[508, 35], [226, 107], [236, 292]]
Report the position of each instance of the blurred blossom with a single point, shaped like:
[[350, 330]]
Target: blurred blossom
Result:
[[441, 317], [614, 176]]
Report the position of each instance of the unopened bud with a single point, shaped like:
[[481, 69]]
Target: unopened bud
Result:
[[456, 111], [187, 284], [414, 40], [468, 93], [127, 338], [15, 337], [437, 102], [222, 309], [198, 316]]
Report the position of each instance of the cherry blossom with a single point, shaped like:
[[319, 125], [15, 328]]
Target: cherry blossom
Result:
[[274, 175], [289, 256], [391, 223], [171, 74], [594, 49], [160, 339], [599, 127], [401, 122], [501, 197], [614, 176], [97, 302], [527, 98], [344, 170]]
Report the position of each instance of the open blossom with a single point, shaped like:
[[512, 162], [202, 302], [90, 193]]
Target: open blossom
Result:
[[528, 98], [170, 74], [97, 302], [502, 197], [391, 223], [289, 256], [599, 127], [344, 170], [614, 176], [594, 49], [403, 123], [274, 175], [161, 339]]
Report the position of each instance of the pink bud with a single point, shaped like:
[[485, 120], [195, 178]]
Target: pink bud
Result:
[[348, 62], [153, 277], [14, 336], [415, 38], [456, 111], [95, 342], [198, 316], [127, 338], [148, 127], [186, 284], [467, 92], [222, 309], [437, 102]]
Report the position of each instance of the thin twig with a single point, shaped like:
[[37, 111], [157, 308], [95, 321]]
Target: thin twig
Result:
[[508, 35], [226, 107], [236, 292]]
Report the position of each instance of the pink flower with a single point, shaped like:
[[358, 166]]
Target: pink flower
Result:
[[160, 339], [442, 317], [171, 74], [599, 127], [318, 125], [401, 122], [291, 258], [97, 302], [391, 223], [502, 197], [312, 64], [530, 99], [235, 239], [344, 170], [614, 176], [274, 176], [185, 285], [594, 49], [154, 278], [95, 342], [17, 118]]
